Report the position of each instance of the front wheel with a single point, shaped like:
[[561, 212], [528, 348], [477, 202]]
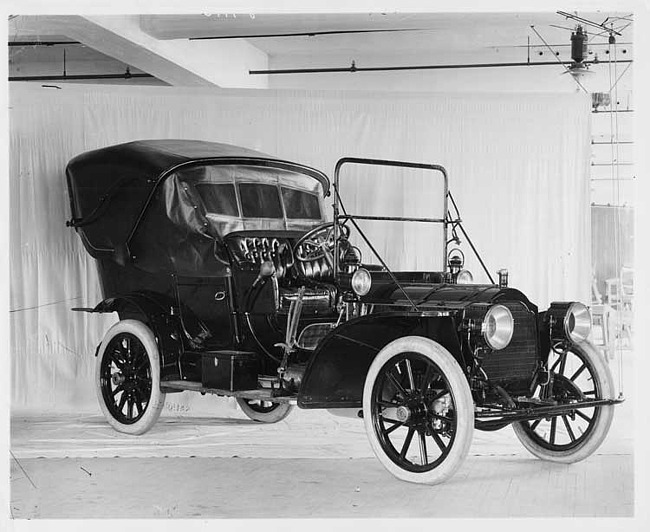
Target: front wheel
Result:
[[418, 410], [264, 411], [127, 377], [579, 372]]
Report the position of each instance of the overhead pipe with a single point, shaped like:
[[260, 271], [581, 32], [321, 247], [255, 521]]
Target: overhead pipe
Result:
[[354, 68], [41, 43], [78, 77], [307, 34]]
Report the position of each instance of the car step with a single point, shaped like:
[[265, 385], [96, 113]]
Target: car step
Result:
[[262, 395]]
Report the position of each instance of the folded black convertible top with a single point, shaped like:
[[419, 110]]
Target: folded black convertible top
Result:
[[126, 190], [153, 157]]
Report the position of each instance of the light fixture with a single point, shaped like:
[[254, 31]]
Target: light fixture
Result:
[[497, 327], [568, 321], [361, 282]]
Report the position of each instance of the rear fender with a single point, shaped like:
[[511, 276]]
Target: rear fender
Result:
[[154, 310], [335, 375]]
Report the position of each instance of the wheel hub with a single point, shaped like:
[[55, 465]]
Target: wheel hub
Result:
[[118, 378], [416, 412], [403, 413]]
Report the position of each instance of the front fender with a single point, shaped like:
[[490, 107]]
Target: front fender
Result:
[[335, 375]]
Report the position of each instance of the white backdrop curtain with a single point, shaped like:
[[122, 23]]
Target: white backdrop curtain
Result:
[[518, 167]]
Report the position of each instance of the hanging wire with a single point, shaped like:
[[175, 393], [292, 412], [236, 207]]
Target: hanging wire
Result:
[[45, 304], [619, 78], [568, 70], [616, 192]]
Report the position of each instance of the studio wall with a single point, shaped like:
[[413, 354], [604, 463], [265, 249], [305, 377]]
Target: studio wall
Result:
[[517, 163]]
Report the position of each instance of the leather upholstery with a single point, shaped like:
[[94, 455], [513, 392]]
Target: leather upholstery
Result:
[[317, 270], [250, 251]]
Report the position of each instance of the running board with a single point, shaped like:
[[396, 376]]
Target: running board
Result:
[[262, 395]]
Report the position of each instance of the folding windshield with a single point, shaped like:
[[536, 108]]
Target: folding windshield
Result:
[[237, 197], [395, 209]]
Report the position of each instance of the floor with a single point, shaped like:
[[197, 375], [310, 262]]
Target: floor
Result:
[[312, 465]]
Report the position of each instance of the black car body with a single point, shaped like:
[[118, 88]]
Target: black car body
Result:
[[228, 279]]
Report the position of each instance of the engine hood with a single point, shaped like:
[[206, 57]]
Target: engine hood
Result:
[[431, 295]]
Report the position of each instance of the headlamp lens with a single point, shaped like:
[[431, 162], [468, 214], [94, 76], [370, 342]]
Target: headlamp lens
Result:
[[577, 322], [361, 282], [498, 326]]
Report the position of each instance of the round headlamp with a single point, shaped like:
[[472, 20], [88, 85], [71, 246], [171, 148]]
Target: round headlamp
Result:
[[361, 282], [570, 320], [577, 322], [464, 277], [497, 327]]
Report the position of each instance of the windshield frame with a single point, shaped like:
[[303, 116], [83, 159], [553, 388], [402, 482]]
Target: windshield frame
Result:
[[338, 217]]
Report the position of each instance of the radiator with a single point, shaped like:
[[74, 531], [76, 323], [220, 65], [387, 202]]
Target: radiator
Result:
[[519, 359]]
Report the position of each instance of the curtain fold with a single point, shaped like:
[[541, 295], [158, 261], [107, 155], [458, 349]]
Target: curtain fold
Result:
[[518, 168]]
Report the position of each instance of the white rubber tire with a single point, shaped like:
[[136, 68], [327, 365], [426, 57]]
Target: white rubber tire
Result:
[[598, 433], [157, 399], [462, 397], [281, 411]]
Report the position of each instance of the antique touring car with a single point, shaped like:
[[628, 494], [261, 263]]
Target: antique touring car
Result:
[[228, 279]]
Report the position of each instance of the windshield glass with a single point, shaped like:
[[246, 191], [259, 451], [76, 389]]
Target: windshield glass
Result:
[[260, 201], [300, 204], [218, 199], [238, 197], [396, 192]]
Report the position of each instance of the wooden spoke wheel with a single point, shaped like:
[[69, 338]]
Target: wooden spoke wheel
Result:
[[264, 411], [579, 372], [418, 410], [128, 377]]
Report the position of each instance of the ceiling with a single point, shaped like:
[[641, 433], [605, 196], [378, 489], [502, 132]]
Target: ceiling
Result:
[[449, 30], [429, 32], [154, 43]]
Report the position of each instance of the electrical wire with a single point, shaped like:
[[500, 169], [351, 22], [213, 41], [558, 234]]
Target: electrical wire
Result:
[[619, 79], [568, 70], [616, 192], [45, 304]]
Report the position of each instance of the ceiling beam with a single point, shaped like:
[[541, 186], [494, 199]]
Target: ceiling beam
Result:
[[180, 63]]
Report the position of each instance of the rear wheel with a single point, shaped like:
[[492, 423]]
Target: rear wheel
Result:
[[127, 377], [578, 373], [264, 411], [418, 410]]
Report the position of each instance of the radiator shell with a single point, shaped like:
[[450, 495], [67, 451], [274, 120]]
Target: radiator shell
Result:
[[520, 358]]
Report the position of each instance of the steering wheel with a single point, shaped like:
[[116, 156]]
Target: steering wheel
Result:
[[318, 243]]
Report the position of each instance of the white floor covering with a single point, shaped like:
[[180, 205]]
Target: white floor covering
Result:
[[312, 464]]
